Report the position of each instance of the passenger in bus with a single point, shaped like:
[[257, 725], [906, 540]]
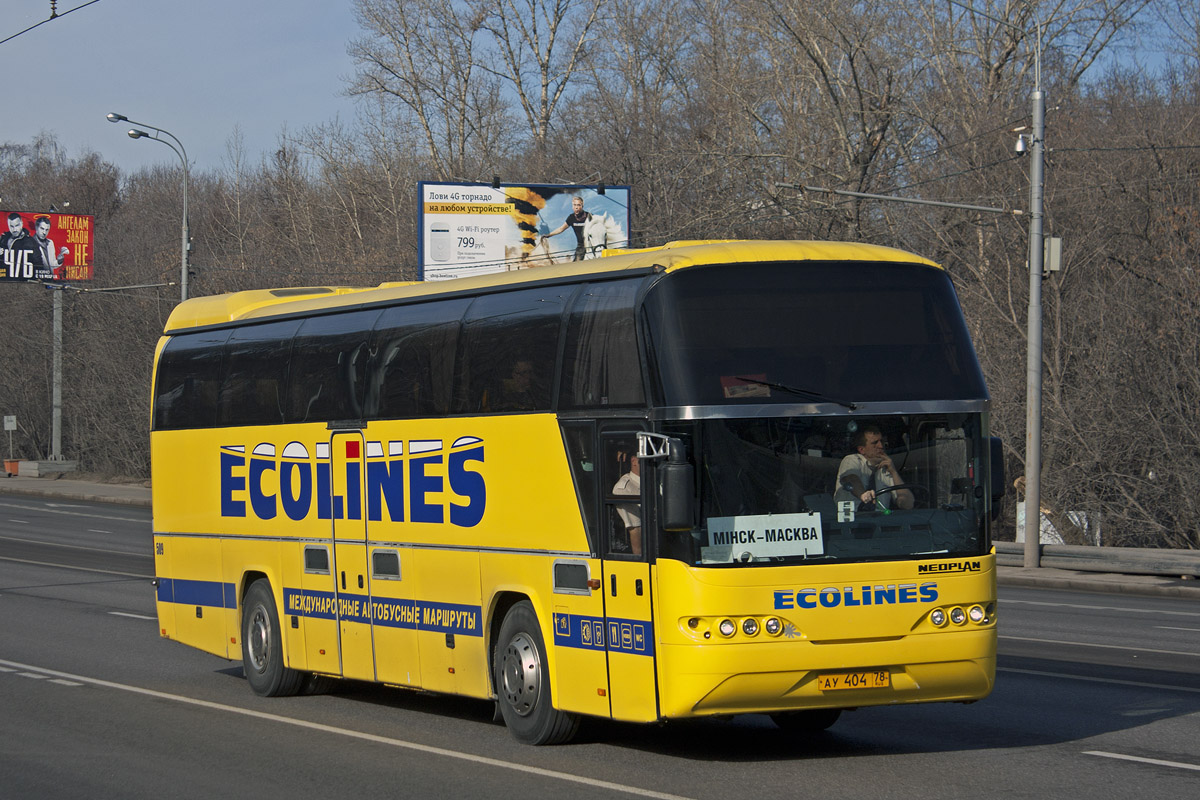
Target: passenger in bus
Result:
[[630, 484], [863, 474], [516, 392]]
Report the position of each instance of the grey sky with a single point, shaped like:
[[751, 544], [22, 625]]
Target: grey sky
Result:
[[198, 68]]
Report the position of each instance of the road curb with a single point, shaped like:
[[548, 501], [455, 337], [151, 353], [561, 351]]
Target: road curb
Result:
[[69, 495], [1123, 584]]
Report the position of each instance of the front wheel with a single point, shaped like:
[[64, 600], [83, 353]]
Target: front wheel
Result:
[[522, 680], [262, 648]]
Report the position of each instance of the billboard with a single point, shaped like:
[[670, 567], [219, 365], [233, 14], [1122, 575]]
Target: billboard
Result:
[[470, 229], [47, 247]]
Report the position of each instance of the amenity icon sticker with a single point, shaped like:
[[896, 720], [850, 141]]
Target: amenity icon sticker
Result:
[[750, 537]]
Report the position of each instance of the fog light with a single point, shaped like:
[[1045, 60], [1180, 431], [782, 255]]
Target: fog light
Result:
[[726, 627], [976, 614], [958, 616], [694, 623], [937, 617], [773, 626], [750, 626]]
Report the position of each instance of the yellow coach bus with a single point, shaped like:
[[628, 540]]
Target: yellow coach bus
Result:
[[710, 478]]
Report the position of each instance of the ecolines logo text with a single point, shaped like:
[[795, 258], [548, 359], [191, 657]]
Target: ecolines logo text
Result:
[[832, 597], [395, 481]]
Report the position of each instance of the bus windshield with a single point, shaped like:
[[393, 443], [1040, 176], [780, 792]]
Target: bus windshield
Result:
[[810, 332], [782, 490]]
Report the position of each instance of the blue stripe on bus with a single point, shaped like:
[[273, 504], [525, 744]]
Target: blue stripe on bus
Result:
[[213, 594], [386, 612], [634, 636]]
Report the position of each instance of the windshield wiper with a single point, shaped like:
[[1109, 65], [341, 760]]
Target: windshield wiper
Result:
[[798, 391]]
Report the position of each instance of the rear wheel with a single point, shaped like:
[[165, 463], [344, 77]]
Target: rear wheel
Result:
[[813, 721], [522, 680], [262, 648]]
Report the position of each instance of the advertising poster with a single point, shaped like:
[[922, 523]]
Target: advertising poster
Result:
[[474, 228], [46, 247]]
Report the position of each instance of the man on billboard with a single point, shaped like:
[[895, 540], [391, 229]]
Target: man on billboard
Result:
[[50, 260], [21, 257], [577, 220]]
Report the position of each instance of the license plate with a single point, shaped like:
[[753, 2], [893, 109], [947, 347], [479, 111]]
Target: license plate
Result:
[[834, 681]]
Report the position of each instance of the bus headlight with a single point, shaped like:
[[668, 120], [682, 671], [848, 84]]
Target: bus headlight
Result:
[[750, 626], [726, 627], [958, 616], [976, 614], [937, 617], [773, 626]]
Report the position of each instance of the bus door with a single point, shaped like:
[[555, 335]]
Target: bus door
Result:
[[628, 619], [351, 577], [394, 611]]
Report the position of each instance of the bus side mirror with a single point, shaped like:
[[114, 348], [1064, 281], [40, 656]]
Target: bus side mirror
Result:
[[998, 483], [677, 489]]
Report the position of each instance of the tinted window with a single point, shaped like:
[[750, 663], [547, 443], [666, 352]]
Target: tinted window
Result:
[[510, 342], [600, 359], [328, 372], [412, 360], [189, 377], [854, 331], [256, 369]]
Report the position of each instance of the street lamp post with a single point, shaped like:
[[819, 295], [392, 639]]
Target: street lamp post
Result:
[[182, 153]]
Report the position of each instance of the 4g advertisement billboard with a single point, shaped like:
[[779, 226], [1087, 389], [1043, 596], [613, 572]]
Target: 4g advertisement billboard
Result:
[[46, 247], [477, 228]]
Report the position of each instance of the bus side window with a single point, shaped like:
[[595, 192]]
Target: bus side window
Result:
[[578, 437], [508, 349], [623, 498], [189, 377], [328, 367], [411, 371], [601, 367]]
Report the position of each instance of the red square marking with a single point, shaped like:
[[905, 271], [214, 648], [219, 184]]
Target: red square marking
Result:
[[352, 449]]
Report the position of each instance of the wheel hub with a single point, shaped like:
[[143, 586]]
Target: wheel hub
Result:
[[522, 674]]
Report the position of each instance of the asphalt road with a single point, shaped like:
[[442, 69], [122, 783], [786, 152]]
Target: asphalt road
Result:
[[1096, 695]]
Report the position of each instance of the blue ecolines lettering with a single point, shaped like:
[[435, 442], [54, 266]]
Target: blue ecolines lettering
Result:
[[849, 596], [264, 484]]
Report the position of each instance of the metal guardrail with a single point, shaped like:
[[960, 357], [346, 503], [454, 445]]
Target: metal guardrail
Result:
[[1122, 560]]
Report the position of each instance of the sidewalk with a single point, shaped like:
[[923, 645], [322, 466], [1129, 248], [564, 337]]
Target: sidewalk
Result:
[[1145, 585]]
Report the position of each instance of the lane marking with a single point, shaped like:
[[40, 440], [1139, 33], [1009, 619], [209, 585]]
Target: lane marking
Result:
[[369, 737], [1103, 646], [1101, 608], [50, 510], [97, 530], [80, 569], [62, 682], [1171, 628], [1156, 761], [127, 614], [19, 521], [75, 546], [1090, 679]]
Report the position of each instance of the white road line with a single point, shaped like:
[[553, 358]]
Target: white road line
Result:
[[146, 553], [60, 511], [1157, 761], [1104, 646], [1090, 679], [1005, 601], [97, 530], [370, 737], [1171, 628], [19, 521], [62, 682], [68, 566], [127, 614]]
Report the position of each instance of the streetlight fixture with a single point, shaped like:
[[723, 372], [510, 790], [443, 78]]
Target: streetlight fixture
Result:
[[179, 150], [1033, 349]]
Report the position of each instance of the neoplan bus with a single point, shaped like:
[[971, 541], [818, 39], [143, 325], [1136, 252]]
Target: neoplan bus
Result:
[[601, 489]]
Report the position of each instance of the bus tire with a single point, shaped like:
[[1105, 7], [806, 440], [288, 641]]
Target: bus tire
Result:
[[522, 680], [262, 647], [812, 721]]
